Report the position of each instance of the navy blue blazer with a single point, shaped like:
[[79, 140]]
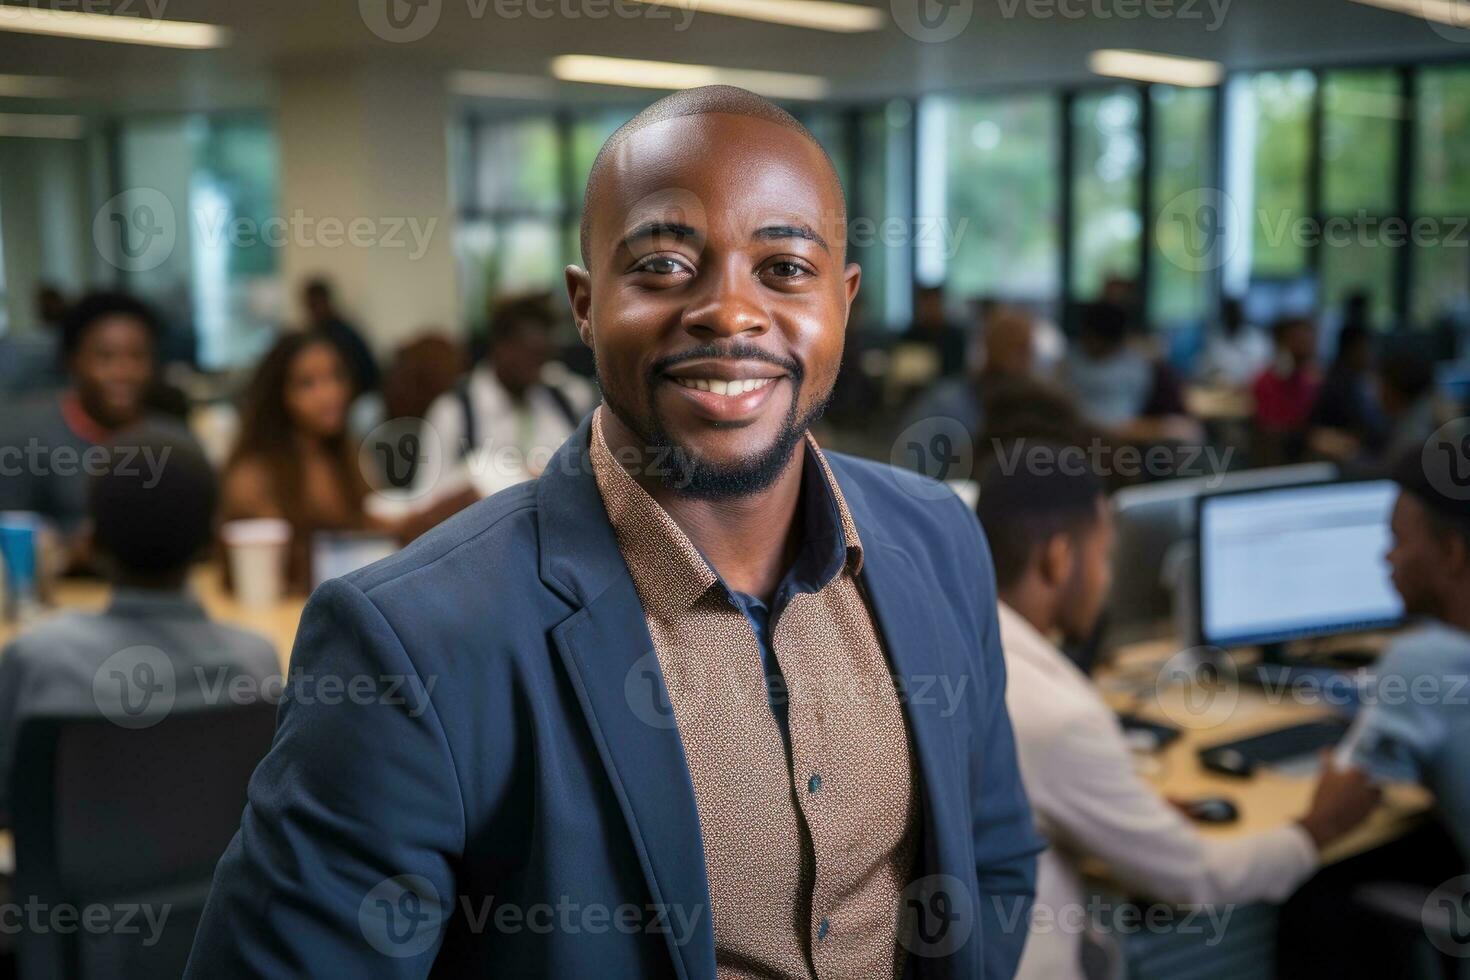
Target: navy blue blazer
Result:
[[476, 770]]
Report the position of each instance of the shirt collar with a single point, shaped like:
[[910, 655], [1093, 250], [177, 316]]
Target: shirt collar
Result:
[[175, 603], [654, 546]]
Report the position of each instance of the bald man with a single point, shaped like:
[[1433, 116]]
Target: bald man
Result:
[[703, 701]]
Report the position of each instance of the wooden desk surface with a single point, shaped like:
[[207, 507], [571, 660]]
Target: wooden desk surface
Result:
[[277, 623], [1266, 799]]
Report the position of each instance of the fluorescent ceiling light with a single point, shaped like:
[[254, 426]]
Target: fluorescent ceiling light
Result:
[[597, 70], [33, 87], [111, 27], [823, 15], [501, 85], [40, 126], [1144, 66], [1455, 13]]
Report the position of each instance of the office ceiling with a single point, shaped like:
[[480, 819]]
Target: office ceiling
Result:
[[1003, 44]]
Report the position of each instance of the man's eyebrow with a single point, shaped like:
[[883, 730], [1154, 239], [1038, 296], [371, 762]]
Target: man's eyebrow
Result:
[[805, 232], [657, 229]]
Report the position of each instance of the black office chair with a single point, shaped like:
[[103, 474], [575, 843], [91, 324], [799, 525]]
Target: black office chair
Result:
[[126, 818]]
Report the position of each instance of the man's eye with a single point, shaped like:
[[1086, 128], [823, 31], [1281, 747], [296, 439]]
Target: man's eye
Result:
[[787, 270], [660, 265]]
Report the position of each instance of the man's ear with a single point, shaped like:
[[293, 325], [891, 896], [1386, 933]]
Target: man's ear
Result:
[[1058, 558], [852, 277], [579, 291]]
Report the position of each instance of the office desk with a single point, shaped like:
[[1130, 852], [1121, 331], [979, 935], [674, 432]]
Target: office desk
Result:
[[1266, 799], [277, 623]]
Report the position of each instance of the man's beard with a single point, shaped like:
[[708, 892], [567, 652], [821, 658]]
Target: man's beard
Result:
[[685, 472]]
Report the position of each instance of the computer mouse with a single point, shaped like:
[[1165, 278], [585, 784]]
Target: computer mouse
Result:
[[1212, 809]]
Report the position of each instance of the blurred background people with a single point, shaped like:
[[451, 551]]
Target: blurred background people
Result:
[[1286, 391], [107, 344], [502, 422], [1007, 340], [322, 316], [1347, 419], [933, 329], [1237, 351], [151, 524], [1051, 536], [294, 459], [1119, 386]]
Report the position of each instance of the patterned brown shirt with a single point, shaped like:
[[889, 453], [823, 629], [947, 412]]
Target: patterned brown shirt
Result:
[[806, 853]]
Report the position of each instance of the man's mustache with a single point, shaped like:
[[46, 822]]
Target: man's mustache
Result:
[[735, 351]]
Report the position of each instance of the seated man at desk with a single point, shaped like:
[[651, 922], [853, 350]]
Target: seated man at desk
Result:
[[149, 525], [1415, 723], [1051, 534]]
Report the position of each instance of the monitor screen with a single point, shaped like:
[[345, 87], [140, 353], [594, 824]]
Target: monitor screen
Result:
[[1281, 564]]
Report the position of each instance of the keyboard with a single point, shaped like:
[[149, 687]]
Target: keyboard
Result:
[[1241, 757]]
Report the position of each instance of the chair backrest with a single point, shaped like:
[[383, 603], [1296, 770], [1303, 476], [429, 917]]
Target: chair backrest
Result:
[[131, 820]]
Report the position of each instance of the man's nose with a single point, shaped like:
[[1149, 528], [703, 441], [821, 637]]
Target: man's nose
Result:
[[728, 305]]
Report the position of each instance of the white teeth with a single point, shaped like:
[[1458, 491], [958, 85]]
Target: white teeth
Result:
[[719, 386]]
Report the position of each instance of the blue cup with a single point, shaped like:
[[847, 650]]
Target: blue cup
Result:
[[19, 534]]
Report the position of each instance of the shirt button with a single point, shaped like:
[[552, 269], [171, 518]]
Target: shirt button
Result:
[[815, 783], [822, 928]]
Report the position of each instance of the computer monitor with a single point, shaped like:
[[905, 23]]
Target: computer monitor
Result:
[[1295, 562], [1154, 520]]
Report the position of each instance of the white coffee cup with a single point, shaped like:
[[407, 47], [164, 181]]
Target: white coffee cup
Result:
[[257, 551]]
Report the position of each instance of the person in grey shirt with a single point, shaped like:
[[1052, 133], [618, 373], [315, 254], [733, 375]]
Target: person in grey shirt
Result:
[[153, 649], [1415, 722]]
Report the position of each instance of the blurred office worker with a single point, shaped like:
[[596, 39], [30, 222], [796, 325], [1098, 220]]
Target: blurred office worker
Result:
[[1051, 535], [664, 676], [294, 459], [153, 517], [1415, 724], [502, 423], [48, 447], [323, 317]]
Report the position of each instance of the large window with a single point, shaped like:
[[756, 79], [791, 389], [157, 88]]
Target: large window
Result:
[[217, 278], [1187, 222], [1361, 113], [1106, 166], [1000, 183], [1280, 104], [1441, 267]]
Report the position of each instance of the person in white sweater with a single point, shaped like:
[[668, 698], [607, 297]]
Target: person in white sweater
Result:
[[1050, 533]]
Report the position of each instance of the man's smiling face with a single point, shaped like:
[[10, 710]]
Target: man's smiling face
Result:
[[716, 294]]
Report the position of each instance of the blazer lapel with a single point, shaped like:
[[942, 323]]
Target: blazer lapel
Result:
[[902, 598], [610, 660]]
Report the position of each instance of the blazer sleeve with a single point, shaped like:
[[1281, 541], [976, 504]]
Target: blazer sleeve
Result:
[[342, 864], [1006, 841]]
